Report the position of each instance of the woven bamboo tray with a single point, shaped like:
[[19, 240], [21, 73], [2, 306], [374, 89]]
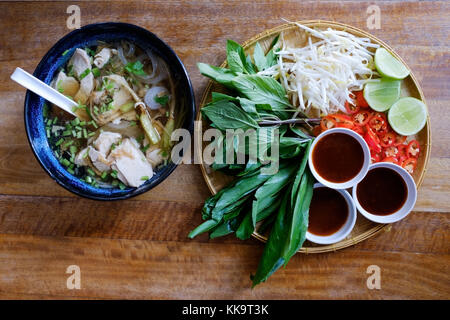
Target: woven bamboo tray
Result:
[[364, 228]]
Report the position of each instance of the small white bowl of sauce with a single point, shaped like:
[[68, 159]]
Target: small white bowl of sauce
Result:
[[339, 158], [332, 215], [387, 193]]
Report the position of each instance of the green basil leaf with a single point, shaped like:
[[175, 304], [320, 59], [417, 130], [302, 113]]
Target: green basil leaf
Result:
[[226, 115], [221, 75], [262, 90], [259, 57]]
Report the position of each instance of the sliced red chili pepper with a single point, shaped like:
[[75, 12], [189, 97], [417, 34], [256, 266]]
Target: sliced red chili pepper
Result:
[[399, 140], [390, 159], [401, 155], [359, 130], [345, 125], [372, 140], [375, 157], [378, 123], [361, 118], [388, 139], [362, 103], [351, 109], [327, 122], [391, 151], [413, 149], [317, 130], [409, 165]]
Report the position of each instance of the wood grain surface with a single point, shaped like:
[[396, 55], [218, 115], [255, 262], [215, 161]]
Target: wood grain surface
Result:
[[139, 248]]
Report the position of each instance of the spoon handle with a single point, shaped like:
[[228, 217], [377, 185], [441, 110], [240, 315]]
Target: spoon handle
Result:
[[45, 91]]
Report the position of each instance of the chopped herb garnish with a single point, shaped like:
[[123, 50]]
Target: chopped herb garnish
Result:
[[90, 51], [115, 183], [71, 171], [113, 174], [75, 121], [121, 186], [48, 132], [164, 153], [90, 172], [85, 134], [89, 179], [104, 175], [45, 110], [70, 72], [144, 149], [132, 123], [59, 142], [65, 52], [85, 73], [162, 100], [145, 178], [135, 68], [65, 162], [140, 138], [96, 110], [68, 143], [85, 154], [96, 72]]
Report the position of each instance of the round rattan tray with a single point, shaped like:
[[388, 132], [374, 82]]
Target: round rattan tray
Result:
[[364, 228]]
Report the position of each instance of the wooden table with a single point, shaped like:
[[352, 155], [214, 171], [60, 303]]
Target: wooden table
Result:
[[139, 248]]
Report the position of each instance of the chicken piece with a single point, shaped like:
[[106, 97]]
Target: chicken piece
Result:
[[105, 140], [154, 156], [130, 163], [102, 58], [68, 86], [99, 161], [120, 82], [81, 62], [81, 159], [121, 94]]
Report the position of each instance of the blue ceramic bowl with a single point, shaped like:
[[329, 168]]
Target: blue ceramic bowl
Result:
[[47, 69]]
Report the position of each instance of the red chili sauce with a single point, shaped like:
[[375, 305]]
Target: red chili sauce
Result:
[[382, 192], [328, 211], [338, 157]]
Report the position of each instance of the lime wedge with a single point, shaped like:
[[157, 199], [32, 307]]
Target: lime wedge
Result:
[[381, 95], [388, 66], [407, 116]]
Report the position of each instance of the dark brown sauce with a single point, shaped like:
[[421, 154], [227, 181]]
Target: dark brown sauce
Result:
[[328, 211], [338, 157], [382, 192]]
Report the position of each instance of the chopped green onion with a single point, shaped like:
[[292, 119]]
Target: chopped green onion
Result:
[[90, 172], [113, 174], [89, 179], [132, 123], [71, 171], [65, 162], [85, 134], [115, 183], [121, 186], [58, 86], [68, 143], [85, 73], [85, 154], [96, 72], [90, 134], [79, 134], [73, 149], [48, 132], [59, 142], [94, 124], [162, 100], [144, 149], [45, 110], [145, 178], [82, 123], [75, 121], [104, 175], [65, 52]]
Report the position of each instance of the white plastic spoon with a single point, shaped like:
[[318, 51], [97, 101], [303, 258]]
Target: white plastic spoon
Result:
[[45, 91]]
